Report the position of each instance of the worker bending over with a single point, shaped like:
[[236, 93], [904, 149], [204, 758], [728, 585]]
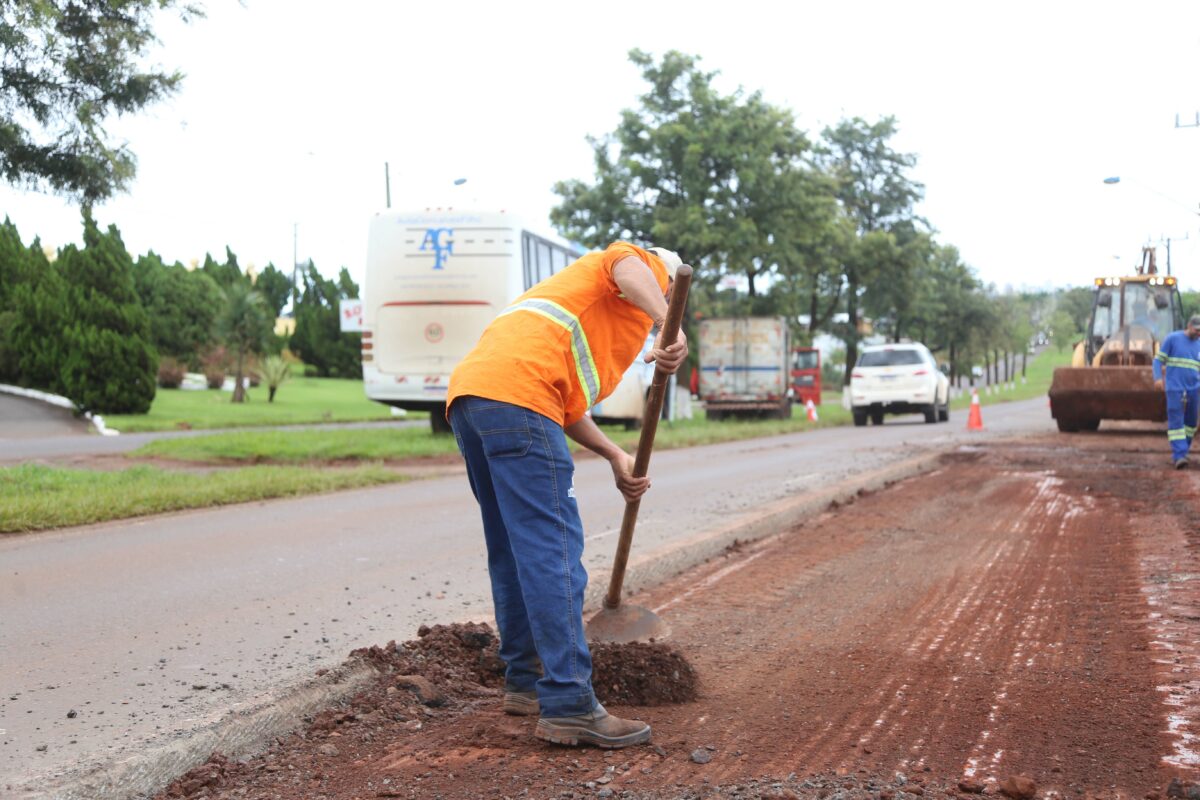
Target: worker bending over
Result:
[[537, 369]]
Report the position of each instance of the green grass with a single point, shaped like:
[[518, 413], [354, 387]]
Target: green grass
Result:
[[294, 447], [300, 401], [35, 497], [297, 447]]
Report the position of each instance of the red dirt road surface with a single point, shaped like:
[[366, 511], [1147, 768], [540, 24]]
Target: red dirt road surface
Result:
[[1028, 609]]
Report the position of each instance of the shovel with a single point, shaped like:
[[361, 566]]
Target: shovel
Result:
[[626, 623]]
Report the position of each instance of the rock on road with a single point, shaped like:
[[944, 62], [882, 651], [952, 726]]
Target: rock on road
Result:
[[148, 626]]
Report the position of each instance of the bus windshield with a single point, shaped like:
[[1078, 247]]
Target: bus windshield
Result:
[[1141, 308]]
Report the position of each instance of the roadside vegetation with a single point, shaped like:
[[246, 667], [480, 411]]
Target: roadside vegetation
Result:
[[36, 497], [299, 447], [1038, 376], [271, 464], [302, 401]]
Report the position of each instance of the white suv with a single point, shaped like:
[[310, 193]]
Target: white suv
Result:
[[898, 379]]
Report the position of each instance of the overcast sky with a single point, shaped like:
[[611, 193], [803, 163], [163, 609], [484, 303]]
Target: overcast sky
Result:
[[1017, 112]]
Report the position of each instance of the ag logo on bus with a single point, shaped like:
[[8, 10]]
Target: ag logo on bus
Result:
[[441, 242], [434, 332]]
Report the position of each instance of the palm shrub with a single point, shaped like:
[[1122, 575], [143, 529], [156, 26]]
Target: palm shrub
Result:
[[244, 326], [274, 371]]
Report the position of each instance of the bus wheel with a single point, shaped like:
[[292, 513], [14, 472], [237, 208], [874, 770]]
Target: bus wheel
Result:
[[437, 420]]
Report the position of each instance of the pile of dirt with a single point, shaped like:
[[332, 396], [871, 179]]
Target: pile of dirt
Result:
[[452, 656], [641, 674], [446, 671]]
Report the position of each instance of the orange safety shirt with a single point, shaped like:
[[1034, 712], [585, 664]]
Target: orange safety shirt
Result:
[[564, 345]]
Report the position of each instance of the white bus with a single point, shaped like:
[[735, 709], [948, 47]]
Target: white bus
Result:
[[434, 281]]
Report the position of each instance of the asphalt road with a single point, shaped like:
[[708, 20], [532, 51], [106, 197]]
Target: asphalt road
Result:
[[31, 430], [149, 626], [23, 420]]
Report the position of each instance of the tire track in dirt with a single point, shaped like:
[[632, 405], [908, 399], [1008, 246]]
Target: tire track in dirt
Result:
[[961, 684]]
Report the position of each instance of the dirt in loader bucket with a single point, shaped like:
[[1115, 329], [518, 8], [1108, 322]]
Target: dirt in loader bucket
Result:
[[1080, 397]]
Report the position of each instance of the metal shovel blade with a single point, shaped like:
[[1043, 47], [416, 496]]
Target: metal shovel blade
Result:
[[625, 624]]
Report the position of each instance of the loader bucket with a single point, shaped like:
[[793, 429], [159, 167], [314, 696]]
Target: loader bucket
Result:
[[1082, 396]]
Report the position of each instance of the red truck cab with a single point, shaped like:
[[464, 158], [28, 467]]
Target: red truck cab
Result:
[[806, 375]]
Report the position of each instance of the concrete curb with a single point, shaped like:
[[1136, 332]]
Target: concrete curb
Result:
[[248, 730], [61, 402], [241, 732]]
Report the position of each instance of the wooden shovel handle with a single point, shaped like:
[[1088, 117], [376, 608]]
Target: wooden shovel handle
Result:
[[654, 404]]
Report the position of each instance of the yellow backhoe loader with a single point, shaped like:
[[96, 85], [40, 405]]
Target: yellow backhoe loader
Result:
[[1111, 375]]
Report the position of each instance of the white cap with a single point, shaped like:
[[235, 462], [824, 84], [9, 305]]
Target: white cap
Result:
[[670, 259]]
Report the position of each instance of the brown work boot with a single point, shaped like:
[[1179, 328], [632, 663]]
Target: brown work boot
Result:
[[599, 728], [521, 704]]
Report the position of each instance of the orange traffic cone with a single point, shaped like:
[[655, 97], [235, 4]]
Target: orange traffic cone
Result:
[[811, 409], [975, 418]]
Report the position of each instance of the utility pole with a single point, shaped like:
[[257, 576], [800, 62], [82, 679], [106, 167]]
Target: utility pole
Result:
[[1168, 239], [387, 184]]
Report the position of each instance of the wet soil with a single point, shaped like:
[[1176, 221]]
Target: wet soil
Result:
[[1024, 620]]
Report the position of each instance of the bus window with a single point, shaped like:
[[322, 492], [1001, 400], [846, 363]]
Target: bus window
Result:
[[530, 255], [559, 259], [543, 261]]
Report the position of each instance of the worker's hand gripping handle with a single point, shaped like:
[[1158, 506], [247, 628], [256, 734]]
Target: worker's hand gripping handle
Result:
[[654, 404]]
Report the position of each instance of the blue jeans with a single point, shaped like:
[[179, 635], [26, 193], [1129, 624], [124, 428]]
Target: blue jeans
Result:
[[1181, 420], [521, 473]]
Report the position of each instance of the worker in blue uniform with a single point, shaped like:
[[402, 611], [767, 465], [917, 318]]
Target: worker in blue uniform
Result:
[[1179, 358]]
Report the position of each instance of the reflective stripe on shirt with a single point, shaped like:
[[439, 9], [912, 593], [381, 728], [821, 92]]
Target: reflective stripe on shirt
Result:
[[585, 365]]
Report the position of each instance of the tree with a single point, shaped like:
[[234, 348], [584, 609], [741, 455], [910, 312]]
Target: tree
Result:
[[275, 287], [244, 326], [31, 330], [318, 339], [1077, 302], [225, 273], [66, 66], [951, 310], [108, 363], [182, 306], [877, 195], [899, 295], [16, 269], [1063, 332], [720, 178]]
